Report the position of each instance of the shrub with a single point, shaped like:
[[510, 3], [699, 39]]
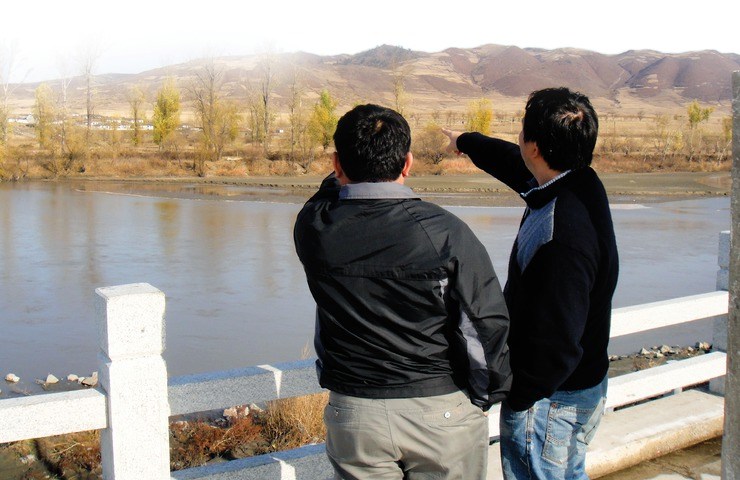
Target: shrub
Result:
[[292, 422]]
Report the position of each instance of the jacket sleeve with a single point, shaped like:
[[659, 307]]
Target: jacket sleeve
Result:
[[498, 158], [327, 193], [560, 279], [484, 322]]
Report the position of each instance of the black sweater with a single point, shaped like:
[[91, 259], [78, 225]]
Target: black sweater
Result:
[[562, 274]]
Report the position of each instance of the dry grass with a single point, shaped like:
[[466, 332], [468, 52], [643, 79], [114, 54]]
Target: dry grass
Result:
[[641, 142], [75, 455], [196, 443], [620, 163], [292, 422]]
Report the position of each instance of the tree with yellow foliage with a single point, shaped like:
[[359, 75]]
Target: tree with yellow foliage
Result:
[[166, 117], [479, 116], [323, 121]]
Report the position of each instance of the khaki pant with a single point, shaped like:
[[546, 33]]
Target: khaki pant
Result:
[[441, 437]]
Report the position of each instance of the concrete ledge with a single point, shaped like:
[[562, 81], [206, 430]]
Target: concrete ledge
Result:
[[651, 382], [309, 462], [52, 414], [649, 316], [218, 390], [633, 435]]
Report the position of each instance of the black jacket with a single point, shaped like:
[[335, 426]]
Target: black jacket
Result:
[[562, 275], [408, 304]]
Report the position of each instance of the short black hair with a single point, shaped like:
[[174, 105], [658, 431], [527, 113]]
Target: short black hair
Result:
[[564, 125], [372, 143]]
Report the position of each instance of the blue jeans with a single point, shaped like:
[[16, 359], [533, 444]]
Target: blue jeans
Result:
[[549, 440]]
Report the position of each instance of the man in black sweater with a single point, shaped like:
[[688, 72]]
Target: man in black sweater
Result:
[[411, 323], [562, 275]]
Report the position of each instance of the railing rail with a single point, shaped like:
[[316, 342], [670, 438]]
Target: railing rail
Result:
[[134, 439]]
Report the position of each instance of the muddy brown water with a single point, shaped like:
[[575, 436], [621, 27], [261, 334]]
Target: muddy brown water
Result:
[[236, 294]]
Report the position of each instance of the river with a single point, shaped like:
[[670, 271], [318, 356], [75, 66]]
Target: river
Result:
[[236, 293]]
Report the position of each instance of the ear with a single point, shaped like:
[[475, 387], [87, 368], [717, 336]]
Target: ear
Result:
[[536, 152], [338, 172], [407, 165]]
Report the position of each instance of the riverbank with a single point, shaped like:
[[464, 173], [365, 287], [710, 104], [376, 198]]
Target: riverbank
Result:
[[469, 189]]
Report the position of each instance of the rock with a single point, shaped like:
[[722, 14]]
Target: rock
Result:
[[51, 379], [613, 358], [90, 381], [645, 351], [703, 346], [72, 377], [690, 349], [235, 413], [254, 408], [659, 355], [665, 349], [12, 378]]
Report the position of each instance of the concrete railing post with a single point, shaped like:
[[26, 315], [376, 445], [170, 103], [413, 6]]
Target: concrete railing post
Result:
[[719, 338], [135, 445], [731, 437], [723, 261]]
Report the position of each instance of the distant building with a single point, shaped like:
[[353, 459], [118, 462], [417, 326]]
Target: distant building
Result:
[[28, 119]]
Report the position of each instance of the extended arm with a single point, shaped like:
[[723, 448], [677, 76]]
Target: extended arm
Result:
[[498, 158]]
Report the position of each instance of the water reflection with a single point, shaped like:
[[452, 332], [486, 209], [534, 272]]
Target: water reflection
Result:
[[236, 294]]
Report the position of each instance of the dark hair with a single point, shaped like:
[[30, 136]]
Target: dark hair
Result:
[[372, 143], [564, 125]]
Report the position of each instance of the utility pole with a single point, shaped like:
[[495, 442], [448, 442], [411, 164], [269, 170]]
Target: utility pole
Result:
[[731, 438]]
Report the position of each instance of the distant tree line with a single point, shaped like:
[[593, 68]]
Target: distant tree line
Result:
[[297, 130]]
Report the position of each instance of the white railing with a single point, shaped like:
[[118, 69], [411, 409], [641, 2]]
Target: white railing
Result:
[[134, 420]]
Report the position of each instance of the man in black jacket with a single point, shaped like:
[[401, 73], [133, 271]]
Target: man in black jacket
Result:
[[562, 275], [411, 324]]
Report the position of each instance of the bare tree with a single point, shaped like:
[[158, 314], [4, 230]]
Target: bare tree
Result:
[[217, 116], [430, 143], [8, 64], [88, 61], [399, 74], [136, 99], [65, 127], [296, 113], [267, 77], [255, 109]]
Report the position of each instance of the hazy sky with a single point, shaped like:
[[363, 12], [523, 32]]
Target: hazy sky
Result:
[[136, 35]]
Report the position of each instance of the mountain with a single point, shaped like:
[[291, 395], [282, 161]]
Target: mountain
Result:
[[630, 81]]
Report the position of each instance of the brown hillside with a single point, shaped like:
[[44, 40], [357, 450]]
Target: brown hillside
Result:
[[691, 74], [634, 80]]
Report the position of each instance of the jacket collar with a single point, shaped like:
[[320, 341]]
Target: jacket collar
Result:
[[375, 190], [540, 196]]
